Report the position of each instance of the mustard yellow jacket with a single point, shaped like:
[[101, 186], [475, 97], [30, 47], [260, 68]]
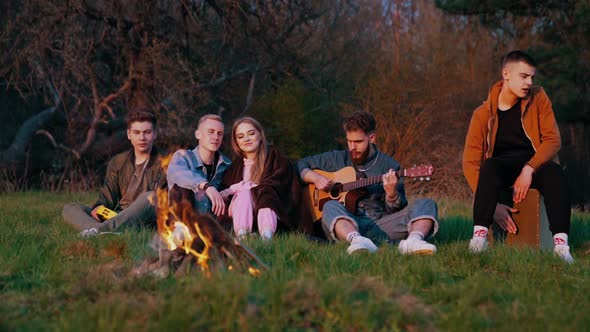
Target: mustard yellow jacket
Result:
[[538, 122]]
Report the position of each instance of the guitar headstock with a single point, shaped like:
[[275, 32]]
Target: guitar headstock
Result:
[[422, 172]]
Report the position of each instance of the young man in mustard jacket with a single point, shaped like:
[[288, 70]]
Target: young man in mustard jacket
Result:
[[512, 142]]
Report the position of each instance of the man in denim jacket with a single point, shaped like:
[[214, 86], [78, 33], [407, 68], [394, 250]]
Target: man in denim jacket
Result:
[[383, 214], [200, 170]]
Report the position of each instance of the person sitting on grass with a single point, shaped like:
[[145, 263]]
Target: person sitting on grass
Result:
[[261, 184], [198, 172], [131, 179], [381, 215], [512, 142]]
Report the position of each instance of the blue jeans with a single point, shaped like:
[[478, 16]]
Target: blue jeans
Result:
[[202, 203], [390, 227]]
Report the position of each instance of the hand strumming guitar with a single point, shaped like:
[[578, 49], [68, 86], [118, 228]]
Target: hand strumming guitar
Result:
[[321, 182]]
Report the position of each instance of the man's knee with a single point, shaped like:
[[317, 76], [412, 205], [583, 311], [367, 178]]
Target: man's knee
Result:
[[550, 168], [331, 211], [148, 197], [425, 207], [331, 205], [73, 208]]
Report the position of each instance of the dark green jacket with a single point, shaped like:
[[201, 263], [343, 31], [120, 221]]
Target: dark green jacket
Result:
[[119, 173]]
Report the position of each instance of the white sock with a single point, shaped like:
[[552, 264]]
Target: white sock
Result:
[[266, 234], [480, 231], [351, 236], [560, 239], [415, 235]]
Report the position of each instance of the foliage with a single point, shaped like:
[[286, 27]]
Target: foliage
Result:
[[182, 59], [52, 280], [292, 114], [298, 66], [556, 33]]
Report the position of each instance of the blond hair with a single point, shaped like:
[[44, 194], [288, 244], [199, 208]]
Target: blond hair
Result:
[[209, 117]]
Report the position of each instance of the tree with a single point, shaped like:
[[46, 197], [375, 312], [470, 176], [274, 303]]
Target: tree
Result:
[[182, 59]]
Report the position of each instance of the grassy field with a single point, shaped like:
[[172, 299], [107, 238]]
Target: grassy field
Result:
[[52, 280]]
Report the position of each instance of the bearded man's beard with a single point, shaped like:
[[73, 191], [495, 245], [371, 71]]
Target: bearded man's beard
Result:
[[360, 159]]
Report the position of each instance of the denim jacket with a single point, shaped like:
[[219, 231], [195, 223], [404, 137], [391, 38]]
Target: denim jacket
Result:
[[186, 170]]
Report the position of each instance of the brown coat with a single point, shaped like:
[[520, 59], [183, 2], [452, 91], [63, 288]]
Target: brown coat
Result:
[[119, 173], [538, 122], [279, 189]]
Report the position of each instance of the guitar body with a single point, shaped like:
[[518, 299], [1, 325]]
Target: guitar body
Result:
[[317, 198], [348, 190]]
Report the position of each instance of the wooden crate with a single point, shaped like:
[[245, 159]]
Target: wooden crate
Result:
[[531, 222]]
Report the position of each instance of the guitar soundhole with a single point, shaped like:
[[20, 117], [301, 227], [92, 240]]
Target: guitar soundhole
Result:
[[336, 190]]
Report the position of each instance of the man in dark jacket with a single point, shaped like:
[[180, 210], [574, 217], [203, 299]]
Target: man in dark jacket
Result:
[[131, 179]]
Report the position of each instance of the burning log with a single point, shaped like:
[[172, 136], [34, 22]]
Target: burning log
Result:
[[187, 239]]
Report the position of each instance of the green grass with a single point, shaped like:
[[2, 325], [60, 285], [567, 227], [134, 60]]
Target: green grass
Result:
[[52, 280]]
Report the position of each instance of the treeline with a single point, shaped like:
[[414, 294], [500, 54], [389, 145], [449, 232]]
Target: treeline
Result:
[[73, 69]]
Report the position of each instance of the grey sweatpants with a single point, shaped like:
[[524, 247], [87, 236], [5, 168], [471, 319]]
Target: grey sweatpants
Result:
[[140, 213]]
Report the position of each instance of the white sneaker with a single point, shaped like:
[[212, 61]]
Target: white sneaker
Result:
[[417, 247], [87, 233], [361, 243], [478, 244], [241, 234], [92, 232], [266, 235], [562, 251]]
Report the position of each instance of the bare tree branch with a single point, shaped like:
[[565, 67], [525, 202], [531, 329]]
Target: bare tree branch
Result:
[[16, 151], [58, 145]]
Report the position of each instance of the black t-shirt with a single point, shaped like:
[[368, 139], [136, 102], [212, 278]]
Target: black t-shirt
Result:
[[511, 140], [210, 168]]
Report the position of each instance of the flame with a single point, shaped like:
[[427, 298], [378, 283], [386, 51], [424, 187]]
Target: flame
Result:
[[254, 271], [176, 233], [179, 228]]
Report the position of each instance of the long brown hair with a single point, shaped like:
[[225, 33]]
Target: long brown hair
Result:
[[258, 166]]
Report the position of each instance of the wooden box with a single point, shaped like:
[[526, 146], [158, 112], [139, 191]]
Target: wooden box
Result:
[[531, 222]]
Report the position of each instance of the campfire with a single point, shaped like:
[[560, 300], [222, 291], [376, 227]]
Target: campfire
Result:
[[186, 239]]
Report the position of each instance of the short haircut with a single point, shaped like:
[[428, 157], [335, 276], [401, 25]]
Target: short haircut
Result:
[[518, 56], [360, 120], [209, 117], [142, 114]]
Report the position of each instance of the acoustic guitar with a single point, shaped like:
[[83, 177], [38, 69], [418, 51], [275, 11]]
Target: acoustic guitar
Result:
[[347, 189]]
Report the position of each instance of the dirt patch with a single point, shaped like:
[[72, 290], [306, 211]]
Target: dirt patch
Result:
[[116, 248], [79, 249]]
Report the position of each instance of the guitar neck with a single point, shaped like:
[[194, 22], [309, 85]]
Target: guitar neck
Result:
[[364, 182]]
